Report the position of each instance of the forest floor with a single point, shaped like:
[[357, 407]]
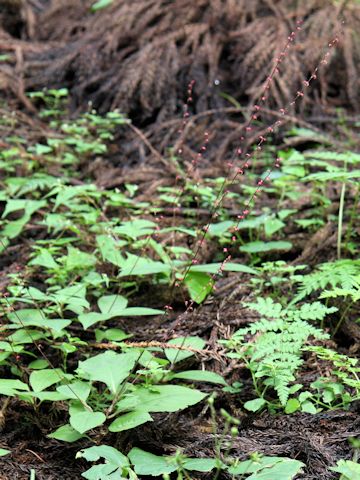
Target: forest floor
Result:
[[122, 232]]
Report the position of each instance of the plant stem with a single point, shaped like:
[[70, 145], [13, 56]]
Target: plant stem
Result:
[[347, 308], [352, 215], [340, 220]]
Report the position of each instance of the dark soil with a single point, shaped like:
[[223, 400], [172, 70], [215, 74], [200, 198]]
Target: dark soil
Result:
[[317, 440]]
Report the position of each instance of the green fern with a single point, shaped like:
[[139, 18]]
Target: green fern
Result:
[[347, 369], [348, 157], [274, 351], [353, 293], [342, 273]]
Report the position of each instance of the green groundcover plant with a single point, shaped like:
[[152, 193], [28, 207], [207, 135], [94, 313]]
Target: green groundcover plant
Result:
[[65, 334]]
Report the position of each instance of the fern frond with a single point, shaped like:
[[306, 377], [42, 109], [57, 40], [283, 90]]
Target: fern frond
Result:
[[348, 157], [266, 307], [311, 311], [343, 273], [275, 351], [354, 293]]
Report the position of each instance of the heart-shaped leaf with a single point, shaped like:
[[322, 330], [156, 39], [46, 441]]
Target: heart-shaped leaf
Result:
[[83, 420], [130, 420], [176, 355], [42, 379], [75, 391], [66, 433], [112, 305], [110, 368], [162, 398]]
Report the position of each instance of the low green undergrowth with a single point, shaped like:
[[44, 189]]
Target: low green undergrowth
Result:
[[99, 260]]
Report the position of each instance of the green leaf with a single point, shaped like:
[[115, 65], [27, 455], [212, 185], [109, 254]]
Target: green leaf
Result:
[[110, 368], [226, 267], [251, 466], [47, 395], [135, 265], [201, 376], [83, 420], [38, 364], [255, 466], [199, 285], [76, 390], [74, 297], [255, 405], [110, 249], [221, 228], [130, 420], [200, 464], [112, 304], [44, 259], [42, 379], [7, 386], [287, 469], [338, 176], [282, 214], [100, 4], [4, 452], [111, 334], [272, 226], [30, 206], [90, 318], [25, 335], [292, 405], [66, 433], [308, 407], [162, 398], [33, 317], [110, 454], [348, 468], [135, 228], [259, 247], [175, 356], [141, 312], [66, 193], [78, 260], [104, 471], [146, 463], [109, 305]]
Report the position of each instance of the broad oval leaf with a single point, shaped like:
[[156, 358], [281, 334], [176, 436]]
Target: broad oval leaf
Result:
[[75, 391], [4, 452], [66, 433], [130, 420], [110, 368], [42, 379], [83, 420], [227, 267], [286, 469], [255, 405], [112, 305], [163, 398], [260, 247], [146, 463], [199, 285], [201, 376], [110, 454], [177, 355]]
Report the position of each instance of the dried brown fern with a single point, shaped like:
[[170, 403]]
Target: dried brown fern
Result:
[[134, 54], [139, 56]]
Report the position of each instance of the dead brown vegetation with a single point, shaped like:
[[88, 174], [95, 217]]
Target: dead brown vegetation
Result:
[[139, 55]]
